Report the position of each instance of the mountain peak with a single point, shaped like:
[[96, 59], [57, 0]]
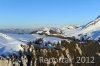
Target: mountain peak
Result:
[[98, 17], [94, 23]]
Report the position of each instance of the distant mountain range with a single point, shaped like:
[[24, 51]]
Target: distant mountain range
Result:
[[11, 39], [91, 29]]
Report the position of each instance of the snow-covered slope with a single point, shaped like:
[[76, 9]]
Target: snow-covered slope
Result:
[[69, 30], [31, 37], [9, 44], [91, 29]]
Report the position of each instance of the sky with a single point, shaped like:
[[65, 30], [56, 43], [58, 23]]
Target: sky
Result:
[[38, 13]]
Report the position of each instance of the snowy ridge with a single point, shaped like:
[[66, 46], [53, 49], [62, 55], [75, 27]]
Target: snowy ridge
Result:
[[68, 30], [91, 29]]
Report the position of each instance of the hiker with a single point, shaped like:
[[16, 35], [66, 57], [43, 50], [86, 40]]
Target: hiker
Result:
[[20, 58], [20, 62], [29, 55], [13, 61]]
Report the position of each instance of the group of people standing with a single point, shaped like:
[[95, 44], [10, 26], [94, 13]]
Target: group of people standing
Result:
[[22, 59]]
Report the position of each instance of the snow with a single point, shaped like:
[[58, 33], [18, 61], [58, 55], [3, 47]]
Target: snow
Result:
[[69, 57], [46, 30], [98, 54], [79, 49], [91, 29], [32, 37], [11, 43], [10, 39], [69, 30]]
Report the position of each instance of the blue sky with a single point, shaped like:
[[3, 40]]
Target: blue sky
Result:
[[38, 13]]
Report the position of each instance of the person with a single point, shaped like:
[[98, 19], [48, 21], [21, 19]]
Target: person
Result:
[[20, 62], [13, 61], [29, 55], [20, 58]]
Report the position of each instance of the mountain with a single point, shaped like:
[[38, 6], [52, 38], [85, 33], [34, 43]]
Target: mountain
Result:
[[68, 30], [47, 30], [66, 47], [91, 29], [11, 39], [16, 30]]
